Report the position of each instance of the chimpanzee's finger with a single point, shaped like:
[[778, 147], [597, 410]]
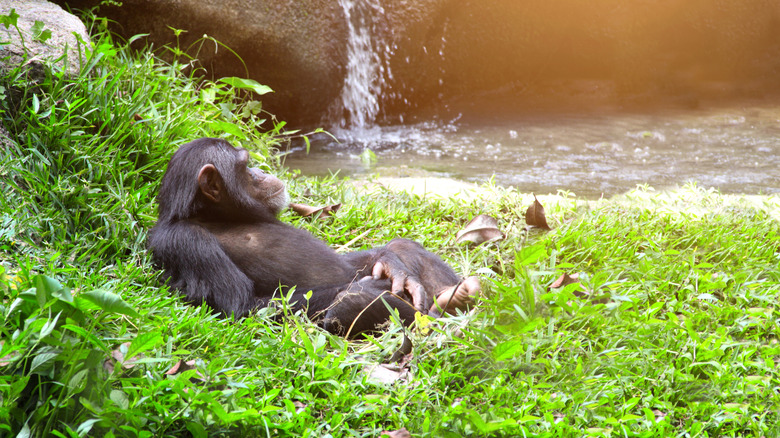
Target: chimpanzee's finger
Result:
[[380, 271], [420, 298]]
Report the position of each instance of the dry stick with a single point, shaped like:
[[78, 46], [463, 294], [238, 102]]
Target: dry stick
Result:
[[351, 326], [347, 245], [406, 345]]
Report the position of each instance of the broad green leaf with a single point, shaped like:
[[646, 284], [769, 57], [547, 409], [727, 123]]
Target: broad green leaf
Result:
[[368, 157], [86, 335], [208, 95], [77, 383], [143, 342], [36, 104], [529, 255], [25, 432], [230, 128], [507, 350], [107, 301], [49, 326], [45, 287], [86, 427], [16, 305], [10, 20], [120, 398], [247, 84], [39, 32], [196, 429], [41, 360]]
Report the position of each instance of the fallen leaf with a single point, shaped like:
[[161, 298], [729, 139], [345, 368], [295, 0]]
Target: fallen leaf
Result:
[[565, 279], [385, 373], [481, 229], [180, 367], [7, 359], [534, 216], [299, 407], [318, 212], [118, 356], [400, 433]]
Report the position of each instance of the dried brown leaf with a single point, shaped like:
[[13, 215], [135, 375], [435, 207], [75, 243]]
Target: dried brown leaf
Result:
[[400, 433], [318, 212], [7, 359], [481, 229], [565, 279], [118, 356], [535, 217], [385, 373], [180, 367]]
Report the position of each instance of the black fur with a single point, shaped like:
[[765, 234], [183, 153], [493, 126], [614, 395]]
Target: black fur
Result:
[[237, 256]]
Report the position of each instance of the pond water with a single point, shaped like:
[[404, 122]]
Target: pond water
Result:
[[733, 148]]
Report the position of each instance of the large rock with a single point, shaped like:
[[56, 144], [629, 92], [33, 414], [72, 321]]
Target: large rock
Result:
[[541, 53], [294, 46], [68, 38], [529, 54]]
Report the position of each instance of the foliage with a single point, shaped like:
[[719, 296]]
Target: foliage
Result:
[[671, 329]]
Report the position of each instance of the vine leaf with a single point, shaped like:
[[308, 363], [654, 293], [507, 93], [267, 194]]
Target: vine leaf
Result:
[[534, 216], [481, 229], [318, 212]]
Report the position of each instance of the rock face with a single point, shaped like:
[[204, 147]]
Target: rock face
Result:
[[447, 53], [293, 46], [68, 37], [547, 53]]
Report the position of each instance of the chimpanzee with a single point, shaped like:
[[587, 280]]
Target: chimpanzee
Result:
[[219, 241]]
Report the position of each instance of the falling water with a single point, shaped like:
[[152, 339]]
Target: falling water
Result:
[[367, 70]]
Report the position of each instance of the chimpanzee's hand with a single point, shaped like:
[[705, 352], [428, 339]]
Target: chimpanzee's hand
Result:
[[403, 282]]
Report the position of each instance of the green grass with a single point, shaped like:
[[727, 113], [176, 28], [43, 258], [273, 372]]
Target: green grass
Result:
[[672, 330]]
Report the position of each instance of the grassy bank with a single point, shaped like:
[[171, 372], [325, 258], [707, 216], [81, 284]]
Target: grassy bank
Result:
[[671, 329]]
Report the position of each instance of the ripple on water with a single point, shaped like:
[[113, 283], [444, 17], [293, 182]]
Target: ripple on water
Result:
[[733, 149]]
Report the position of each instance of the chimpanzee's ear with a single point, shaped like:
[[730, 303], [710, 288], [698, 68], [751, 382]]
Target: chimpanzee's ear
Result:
[[211, 184]]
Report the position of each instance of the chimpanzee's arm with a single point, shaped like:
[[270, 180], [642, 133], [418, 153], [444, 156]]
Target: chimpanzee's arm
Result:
[[198, 267]]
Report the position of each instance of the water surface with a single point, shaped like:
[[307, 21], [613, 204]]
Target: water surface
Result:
[[734, 148]]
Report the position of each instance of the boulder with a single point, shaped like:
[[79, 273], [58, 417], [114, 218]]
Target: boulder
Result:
[[527, 55], [60, 38], [296, 47]]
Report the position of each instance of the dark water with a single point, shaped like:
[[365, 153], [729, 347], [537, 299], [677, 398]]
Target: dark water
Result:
[[735, 149]]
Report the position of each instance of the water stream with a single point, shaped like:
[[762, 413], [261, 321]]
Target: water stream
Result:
[[367, 67], [732, 147]]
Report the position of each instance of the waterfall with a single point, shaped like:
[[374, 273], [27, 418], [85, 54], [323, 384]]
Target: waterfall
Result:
[[367, 70]]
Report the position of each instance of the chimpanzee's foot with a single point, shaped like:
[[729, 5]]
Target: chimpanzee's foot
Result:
[[454, 298]]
